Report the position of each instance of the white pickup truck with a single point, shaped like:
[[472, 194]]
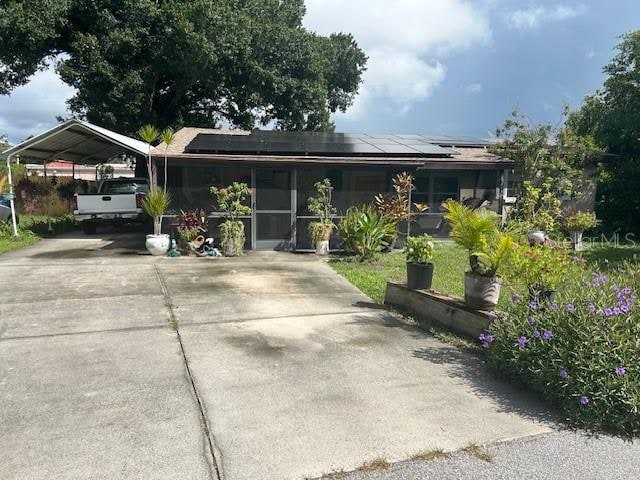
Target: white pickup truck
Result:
[[118, 201]]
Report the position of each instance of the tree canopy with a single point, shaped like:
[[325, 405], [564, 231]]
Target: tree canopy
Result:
[[177, 62], [612, 117]]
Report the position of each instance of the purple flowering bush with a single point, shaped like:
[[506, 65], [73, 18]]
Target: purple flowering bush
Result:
[[580, 350]]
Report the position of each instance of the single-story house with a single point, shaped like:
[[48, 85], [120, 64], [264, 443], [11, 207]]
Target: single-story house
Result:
[[282, 167]]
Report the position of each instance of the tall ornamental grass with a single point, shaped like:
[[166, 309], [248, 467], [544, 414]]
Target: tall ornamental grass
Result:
[[580, 350]]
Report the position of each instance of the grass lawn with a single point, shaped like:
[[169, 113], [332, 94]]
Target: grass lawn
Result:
[[450, 263], [7, 245]]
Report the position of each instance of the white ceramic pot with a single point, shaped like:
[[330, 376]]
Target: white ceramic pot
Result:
[[322, 247], [576, 241], [538, 237], [158, 244]]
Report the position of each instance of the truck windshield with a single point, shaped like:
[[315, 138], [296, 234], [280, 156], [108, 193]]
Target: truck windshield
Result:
[[125, 186]]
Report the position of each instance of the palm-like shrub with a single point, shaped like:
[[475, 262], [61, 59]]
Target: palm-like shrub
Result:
[[321, 205], [477, 231], [156, 203], [366, 231], [232, 203]]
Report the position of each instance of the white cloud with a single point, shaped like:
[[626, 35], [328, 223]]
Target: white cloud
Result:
[[473, 88], [534, 16], [407, 42], [32, 108]]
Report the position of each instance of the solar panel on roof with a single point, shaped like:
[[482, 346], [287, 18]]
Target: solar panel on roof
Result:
[[327, 143]]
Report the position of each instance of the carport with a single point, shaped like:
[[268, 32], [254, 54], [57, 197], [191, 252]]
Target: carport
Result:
[[76, 141]]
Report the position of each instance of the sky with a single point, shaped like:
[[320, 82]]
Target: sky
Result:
[[435, 66]]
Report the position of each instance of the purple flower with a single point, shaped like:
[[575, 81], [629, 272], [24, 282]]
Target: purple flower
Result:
[[522, 342], [584, 400], [620, 371], [548, 334], [515, 298], [607, 312], [481, 337], [554, 306], [624, 308], [489, 338], [531, 320], [617, 311], [485, 344], [592, 308], [570, 307], [563, 374], [536, 334], [533, 305], [626, 291]]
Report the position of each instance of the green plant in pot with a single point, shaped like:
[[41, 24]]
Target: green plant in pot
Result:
[[489, 250], [419, 252], [541, 268], [156, 203], [576, 223], [191, 224], [232, 202], [320, 205]]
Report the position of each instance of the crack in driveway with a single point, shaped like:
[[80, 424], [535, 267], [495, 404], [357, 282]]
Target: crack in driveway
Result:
[[214, 455]]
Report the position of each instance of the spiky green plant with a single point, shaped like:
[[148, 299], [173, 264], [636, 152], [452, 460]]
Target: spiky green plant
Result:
[[167, 136], [477, 231], [156, 203], [149, 134]]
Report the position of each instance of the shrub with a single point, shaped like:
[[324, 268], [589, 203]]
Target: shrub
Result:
[[366, 231], [580, 221], [156, 203], [321, 206], [319, 231], [477, 231], [540, 268], [231, 201], [419, 249], [581, 352]]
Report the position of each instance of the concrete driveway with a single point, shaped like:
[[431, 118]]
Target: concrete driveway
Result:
[[278, 369]]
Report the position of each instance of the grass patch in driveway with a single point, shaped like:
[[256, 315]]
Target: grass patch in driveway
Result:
[[8, 244], [478, 452], [430, 455]]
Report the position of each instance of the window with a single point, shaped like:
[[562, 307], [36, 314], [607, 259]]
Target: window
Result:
[[434, 188]]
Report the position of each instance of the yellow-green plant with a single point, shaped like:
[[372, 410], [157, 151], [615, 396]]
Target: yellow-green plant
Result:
[[149, 134], [580, 221], [419, 249], [232, 202], [477, 231]]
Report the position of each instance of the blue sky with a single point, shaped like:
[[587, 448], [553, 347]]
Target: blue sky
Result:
[[436, 66]]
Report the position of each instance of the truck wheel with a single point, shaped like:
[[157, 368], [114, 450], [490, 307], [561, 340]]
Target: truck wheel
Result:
[[89, 228]]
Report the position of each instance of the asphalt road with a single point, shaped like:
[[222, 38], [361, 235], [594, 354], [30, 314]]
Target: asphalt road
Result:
[[562, 456]]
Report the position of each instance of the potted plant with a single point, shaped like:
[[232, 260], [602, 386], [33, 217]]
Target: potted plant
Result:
[[576, 223], [191, 224], [232, 203], [489, 249], [156, 203], [320, 230], [419, 252], [541, 268]]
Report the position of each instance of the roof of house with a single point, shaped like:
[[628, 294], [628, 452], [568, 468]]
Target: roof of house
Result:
[[264, 146]]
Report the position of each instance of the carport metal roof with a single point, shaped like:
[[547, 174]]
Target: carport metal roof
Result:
[[77, 141]]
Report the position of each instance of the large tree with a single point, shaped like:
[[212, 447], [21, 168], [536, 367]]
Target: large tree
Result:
[[612, 117], [183, 62]]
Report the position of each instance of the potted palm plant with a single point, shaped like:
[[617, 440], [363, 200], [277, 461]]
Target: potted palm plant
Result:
[[320, 230], [231, 202], [156, 203], [419, 252], [489, 249]]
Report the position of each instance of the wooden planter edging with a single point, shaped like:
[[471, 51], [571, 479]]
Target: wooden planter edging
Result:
[[441, 310]]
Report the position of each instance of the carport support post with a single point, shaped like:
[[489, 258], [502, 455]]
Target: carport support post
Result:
[[11, 202]]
